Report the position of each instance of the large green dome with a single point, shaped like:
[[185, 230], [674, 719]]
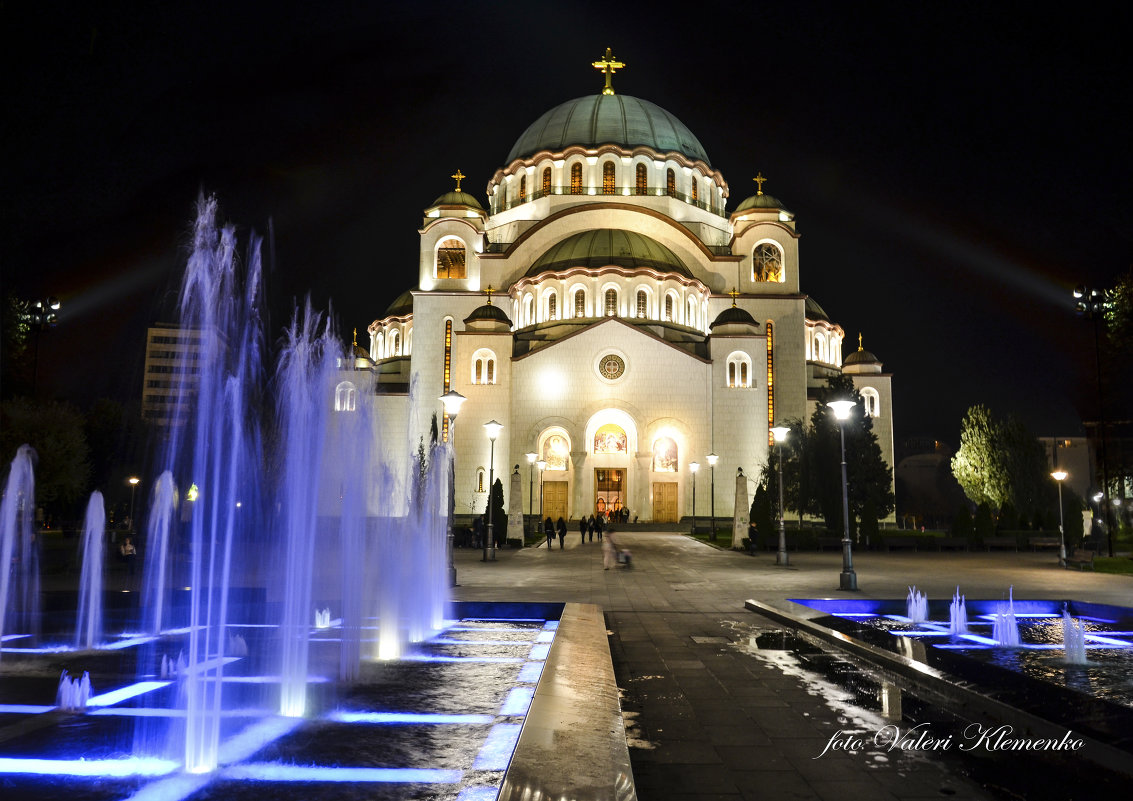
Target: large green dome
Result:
[[606, 246], [608, 120]]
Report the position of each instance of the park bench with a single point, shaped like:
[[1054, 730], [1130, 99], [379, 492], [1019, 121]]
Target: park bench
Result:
[[1001, 542], [1081, 559], [951, 544], [900, 542], [1043, 542]]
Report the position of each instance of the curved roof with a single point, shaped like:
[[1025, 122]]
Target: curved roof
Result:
[[759, 201], [732, 316], [606, 246], [455, 198], [814, 311], [489, 312], [608, 120], [402, 304], [861, 356]]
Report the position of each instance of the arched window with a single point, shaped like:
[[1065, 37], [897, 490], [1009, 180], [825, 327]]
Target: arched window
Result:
[[528, 310], [480, 480], [608, 187], [611, 303], [690, 318], [345, 397], [669, 308], [664, 455], [579, 303], [376, 352], [556, 450], [695, 193], [394, 343], [642, 303], [871, 400], [484, 367], [546, 180], [576, 179], [767, 262], [641, 183], [819, 348], [670, 183], [739, 370], [522, 188], [503, 196], [611, 438], [451, 257], [552, 306]]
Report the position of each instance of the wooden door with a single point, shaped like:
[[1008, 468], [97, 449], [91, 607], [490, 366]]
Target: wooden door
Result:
[[665, 502], [555, 499]]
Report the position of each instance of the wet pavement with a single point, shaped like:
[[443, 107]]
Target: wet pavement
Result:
[[718, 705]]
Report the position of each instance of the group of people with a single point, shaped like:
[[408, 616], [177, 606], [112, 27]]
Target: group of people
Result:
[[588, 526]]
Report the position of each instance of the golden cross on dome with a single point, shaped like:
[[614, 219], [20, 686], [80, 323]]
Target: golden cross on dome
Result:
[[608, 65], [735, 294], [759, 179], [355, 337], [458, 176], [859, 340], [489, 292]]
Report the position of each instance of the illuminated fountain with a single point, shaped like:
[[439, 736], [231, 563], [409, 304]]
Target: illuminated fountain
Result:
[[916, 606], [1073, 640], [19, 586], [1005, 629], [88, 629], [957, 614]]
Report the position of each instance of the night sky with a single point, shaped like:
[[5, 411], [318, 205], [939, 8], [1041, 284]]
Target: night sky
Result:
[[955, 169]]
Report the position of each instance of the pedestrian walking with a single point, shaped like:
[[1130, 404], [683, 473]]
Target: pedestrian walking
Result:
[[598, 523], [561, 526], [549, 530], [583, 527], [590, 527]]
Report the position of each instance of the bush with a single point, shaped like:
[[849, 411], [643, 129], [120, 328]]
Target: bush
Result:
[[983, 526]]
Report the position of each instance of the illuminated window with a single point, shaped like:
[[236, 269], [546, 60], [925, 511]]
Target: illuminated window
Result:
[[871, 400], [819, 348], [528, 310], [664, 455], [345, 397], [576, 179], [552, 306], [767, 263], [611, 303], [739, 370], [642, 303], [503, 195], [484, 367], [608, 187], [546, 180], [610, 439], [770, 381], [522, 188], [394, 343], [555, 450], [669, 308], [670, 183], [447, 374], [480, 480], [579, 303], [451, 257], [695, 193], [691, 318], [641, 180]]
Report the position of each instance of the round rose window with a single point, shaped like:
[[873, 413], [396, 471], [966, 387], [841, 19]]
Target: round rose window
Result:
[[612, 366]]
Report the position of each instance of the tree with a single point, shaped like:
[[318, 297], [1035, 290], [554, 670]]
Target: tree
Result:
[[1001, 463], [984, 526], [869, 478], [499, 515], [760, 513], [55, 431]]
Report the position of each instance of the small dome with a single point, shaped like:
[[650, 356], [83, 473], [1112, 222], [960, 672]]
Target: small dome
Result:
[[861, 356], [401, 306], [606, 246], [766, 202], [814, 311], [733, 315], [488, 313], [455, 198], [607, 120]]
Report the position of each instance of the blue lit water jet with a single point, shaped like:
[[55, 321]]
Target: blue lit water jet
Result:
[[19, 580], [88, 629]]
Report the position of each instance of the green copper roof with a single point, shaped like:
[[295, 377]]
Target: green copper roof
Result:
[[759, 202], [608, 120], [606, 246], [455, 198]]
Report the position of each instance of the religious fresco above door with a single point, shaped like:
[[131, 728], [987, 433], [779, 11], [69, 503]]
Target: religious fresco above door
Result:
[[610, 439], [556, 450], [664, 455]]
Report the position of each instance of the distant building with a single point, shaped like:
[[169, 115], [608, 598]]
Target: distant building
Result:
[[171, 355]]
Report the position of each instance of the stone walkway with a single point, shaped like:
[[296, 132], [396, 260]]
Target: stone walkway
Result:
[[710, 715]]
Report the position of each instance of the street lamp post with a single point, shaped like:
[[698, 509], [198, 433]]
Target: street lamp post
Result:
[[781, 433], [493, 428], [133, 482], [531, 457], [1090, 304], [693, 467], [712, 458], [452, 401], [542, 465], [1060, 476], [41, 315], [847, 579]]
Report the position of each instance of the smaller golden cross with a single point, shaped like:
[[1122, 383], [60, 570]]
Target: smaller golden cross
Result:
[[735, 294], [859, 340], [355, 337], [759, 179], [458, 176], [489, 292], [608, 65]]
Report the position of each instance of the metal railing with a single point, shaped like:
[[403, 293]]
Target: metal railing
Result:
[[597, 191]]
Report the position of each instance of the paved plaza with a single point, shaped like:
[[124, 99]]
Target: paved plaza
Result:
[[709, 714]]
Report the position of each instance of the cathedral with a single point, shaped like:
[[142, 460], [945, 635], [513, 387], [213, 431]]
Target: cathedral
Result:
[[621, 324]]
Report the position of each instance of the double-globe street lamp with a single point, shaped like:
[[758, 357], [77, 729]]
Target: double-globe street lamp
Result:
[[693, 467], [542, 465], [1091, 305], [712, 459], [1060, 476], [847, 579], [781, 433], [493, 429], [452, 401]]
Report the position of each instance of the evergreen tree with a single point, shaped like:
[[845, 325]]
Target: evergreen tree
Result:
[[984, 526], [499, 515], [761, 515]]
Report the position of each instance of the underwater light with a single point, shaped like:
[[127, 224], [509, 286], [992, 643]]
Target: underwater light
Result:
[[1107, 640], [434, 658], [530, 672], [276, 772], [98, 768], [497, 750], [518, 701], [546, 636], [130, 691], [25, 709], [539, 652], [408, 718], [478, 794]]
